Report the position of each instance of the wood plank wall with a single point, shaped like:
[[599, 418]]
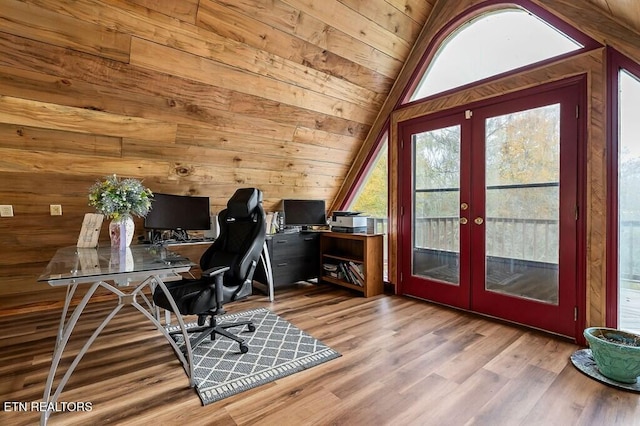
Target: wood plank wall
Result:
[[204, 96], [194, 96], [582, 14]]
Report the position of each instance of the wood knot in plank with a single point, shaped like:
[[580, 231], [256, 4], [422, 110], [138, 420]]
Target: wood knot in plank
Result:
[[182, 170], [194, 109], [295, 392]]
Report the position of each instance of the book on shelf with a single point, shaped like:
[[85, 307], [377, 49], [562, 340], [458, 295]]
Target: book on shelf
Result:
[[272, 222], [358, 271], [351, 272], [335, 274], [269, 219], [331, 270], [344, 272], [350, 275]]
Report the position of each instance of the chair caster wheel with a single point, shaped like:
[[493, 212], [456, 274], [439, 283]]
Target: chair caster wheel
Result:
[[251, 327], [244, 348]]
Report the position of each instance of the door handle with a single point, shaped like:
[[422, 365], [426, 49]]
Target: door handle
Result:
[[478, 220], [463, 221]]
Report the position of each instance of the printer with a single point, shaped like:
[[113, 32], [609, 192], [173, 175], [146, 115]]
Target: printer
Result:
[[348, 222]]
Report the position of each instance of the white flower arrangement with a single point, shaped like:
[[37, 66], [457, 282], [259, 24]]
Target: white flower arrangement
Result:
[[116, 198]]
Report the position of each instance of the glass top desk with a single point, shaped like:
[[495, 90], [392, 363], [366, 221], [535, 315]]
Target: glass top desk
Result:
[[126, 273]]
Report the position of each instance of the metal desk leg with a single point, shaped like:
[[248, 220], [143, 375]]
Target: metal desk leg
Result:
[[64, 333], [266, 262], [66, 327], [185, 358]]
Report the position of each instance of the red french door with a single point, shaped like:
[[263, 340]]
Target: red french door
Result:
[[489, 201]]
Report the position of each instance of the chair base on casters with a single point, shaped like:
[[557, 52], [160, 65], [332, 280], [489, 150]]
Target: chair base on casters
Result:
[[213, 329]]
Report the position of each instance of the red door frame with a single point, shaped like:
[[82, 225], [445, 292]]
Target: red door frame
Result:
[[448, 294], [616, 62], [556, 318], [569, 297]]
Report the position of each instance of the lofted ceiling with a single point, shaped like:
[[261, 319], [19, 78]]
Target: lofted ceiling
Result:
[[624, 11]]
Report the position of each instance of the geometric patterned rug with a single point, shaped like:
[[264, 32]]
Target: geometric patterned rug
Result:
[[276, 349]]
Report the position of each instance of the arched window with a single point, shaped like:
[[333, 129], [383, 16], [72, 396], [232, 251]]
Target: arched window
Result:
[[490, 44]]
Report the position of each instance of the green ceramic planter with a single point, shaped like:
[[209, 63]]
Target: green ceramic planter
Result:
[[616, 352]]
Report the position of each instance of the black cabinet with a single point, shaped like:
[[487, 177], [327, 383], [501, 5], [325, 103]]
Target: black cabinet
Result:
[[294, 257]]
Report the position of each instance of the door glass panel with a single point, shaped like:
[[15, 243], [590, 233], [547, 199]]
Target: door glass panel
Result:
[[436, 242], [522, 203], [629, 203]]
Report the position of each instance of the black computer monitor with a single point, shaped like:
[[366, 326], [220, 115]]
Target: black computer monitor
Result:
[[304, 212], [178, 212]]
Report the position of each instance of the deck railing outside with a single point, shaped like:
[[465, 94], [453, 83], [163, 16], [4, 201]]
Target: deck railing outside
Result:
[[524, 239], [533, 240]]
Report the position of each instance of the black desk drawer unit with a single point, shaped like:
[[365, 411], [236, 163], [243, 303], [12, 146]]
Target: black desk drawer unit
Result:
[[294, 257]]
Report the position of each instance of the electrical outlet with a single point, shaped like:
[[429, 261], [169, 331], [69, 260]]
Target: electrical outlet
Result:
[[6, 210], [55, 209]]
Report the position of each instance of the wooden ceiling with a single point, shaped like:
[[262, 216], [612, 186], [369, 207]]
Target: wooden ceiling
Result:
[[625, 11]]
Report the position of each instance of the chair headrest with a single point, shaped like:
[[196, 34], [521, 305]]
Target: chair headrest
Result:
[[243, 203]]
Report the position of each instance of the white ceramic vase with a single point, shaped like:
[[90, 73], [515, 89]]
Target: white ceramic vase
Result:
[[121, 232]]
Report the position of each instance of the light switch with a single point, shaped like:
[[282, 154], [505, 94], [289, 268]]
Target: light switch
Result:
[[55, 209], [6, 210]]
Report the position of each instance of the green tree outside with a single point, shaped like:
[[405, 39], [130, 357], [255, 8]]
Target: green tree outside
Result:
[[372, 199]]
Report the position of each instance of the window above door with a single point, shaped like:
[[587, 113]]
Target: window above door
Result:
[[493, 43]]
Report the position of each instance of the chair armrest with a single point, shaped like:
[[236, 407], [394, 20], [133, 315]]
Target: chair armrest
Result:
[[217, 274], [212, 272]]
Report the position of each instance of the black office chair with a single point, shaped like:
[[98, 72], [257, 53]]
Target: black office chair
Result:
[[228, 266]]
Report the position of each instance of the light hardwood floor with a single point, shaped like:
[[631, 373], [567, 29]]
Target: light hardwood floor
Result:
[[404, 362]]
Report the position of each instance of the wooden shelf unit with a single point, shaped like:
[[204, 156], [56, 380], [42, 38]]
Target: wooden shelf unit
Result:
[[361, 249]]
